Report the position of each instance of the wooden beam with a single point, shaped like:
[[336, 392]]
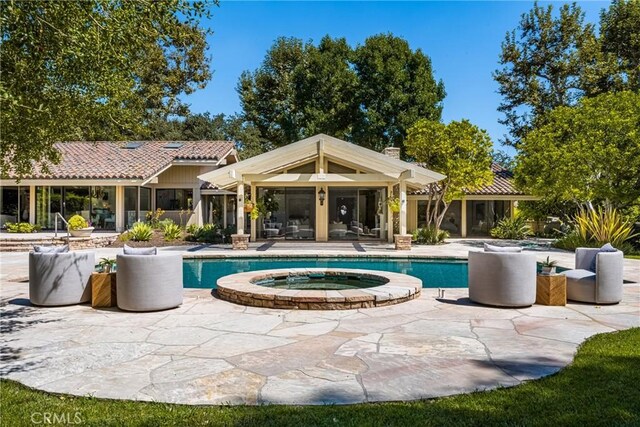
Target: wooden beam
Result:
[[327, 178]]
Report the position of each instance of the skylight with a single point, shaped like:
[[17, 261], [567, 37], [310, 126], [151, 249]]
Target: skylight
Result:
[[132, 145], [174, 145]]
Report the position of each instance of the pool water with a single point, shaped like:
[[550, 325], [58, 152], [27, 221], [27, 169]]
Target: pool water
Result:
[[320, 282], [434, 273]]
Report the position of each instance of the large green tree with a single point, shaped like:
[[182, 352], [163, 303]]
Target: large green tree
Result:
[[396, 88], [92, 69], [587, 153], [268, 95], [620, 42], [369, 95], [459, 150], [542, 66]]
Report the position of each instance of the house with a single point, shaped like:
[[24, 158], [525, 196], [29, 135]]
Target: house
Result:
[[114, 184], [319, 189], [478, 211]]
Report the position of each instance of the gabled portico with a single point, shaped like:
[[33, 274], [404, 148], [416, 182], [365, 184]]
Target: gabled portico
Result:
[[322, 188]]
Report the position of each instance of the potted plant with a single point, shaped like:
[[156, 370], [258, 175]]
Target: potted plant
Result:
[[103, 284], [549, 266], [394, 204], [248, 206], [79, 227], [107, 264]]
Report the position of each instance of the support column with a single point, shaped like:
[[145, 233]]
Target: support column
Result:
[[254, 199], [197, 207], [463, 220], [120, 213], [240, 241], [389, 214], [240, 207], [403, 240], [32, 204], [403, 207]]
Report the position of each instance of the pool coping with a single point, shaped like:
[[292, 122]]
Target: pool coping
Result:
[[239, 288]]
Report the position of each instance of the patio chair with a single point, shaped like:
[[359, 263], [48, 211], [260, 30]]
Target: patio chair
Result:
[[60, 278], [149, 282], [503, 279], [604, 286]]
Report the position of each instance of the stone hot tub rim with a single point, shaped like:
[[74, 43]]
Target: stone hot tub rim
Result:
[[239, 288]]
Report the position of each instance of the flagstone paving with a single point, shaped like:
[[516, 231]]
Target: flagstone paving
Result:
[[210, 351]]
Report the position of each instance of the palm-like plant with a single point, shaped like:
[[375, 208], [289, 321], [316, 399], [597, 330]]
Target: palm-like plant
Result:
[[604, 225]]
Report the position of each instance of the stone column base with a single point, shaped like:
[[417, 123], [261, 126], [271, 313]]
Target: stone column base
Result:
[[240, 242], [403, 242]]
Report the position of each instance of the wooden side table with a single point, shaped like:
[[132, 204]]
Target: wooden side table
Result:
[[551, 289], [103, 290]]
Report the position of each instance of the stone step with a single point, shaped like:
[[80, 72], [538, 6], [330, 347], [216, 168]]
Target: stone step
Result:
[[75, 243]]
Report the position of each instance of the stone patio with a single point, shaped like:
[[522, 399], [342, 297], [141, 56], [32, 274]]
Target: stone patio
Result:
[[210, 351]]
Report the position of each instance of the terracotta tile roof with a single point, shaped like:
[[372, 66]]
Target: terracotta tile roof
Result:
[[112, 160], [503, 184]]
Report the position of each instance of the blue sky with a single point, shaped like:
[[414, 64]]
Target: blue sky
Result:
[[461, 38]]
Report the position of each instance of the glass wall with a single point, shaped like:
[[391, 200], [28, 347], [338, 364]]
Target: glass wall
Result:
[[174, 199], [452, 221], [130, 206], [96, 204], [76, 201], [48, 204], [356, 214], [103, 207], [213, 209], [145, 202], [289, 213], [482, 215], [10, 205]]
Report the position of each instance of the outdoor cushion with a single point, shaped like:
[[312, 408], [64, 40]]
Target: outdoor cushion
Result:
[[51, 249], [60, 278], [128, 250], [492, 248], [580, 275], [605, 248]]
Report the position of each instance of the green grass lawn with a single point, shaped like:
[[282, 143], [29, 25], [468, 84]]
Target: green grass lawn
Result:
[[632, 256], [601, 387]]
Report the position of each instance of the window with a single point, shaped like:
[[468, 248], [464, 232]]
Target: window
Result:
[[174, 199]]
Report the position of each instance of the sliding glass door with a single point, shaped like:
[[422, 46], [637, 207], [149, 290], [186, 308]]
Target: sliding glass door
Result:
[[356, 213], [287, 213]]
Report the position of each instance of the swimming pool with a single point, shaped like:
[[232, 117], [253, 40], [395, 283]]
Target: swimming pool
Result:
[[434, 273]]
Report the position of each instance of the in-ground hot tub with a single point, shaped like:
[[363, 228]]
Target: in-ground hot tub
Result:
[[318, 288]]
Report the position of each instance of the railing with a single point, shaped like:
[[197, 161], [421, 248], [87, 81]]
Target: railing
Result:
[[56, 225]]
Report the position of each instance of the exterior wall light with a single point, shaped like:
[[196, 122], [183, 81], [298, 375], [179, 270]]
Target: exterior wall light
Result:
[[321, 196]]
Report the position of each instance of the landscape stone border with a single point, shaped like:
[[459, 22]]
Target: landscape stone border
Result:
[[240, 289]]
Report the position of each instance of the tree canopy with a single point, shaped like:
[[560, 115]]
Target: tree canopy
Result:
[[553, 60], [369, 95], [93, 70], [459, 150], [586, 153]]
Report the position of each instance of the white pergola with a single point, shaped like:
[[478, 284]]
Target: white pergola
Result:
[[273, 169]]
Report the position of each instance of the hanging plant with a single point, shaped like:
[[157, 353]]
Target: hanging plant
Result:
[[394, 204], [248, 206]]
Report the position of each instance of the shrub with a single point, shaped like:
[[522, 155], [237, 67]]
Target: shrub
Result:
[[192, 228], [22, 227], [511, 228], [153, 218], [430, 235], [140, 232], [77, 222], [208, 233], [603, 226], [172, 232], [162, 225]]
